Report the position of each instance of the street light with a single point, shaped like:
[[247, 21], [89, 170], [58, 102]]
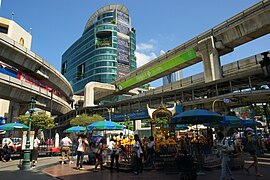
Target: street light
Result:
[[225, 100], [51, 91], [26, 153], [265, 64], [76, 108], [127, 118], [266, 115], [109, 111]]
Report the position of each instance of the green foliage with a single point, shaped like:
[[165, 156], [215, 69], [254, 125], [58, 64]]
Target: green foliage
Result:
[[145, 123], [146, 86], [159, 122], [113, 21], [258, 111], [128, 125], [39, 121], [162, 121], [85, 120]]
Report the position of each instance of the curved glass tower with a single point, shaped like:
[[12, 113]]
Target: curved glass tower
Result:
[[104, 52]]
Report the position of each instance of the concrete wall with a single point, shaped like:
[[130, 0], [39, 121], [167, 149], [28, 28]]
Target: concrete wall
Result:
[[4, 106], [17, 33]]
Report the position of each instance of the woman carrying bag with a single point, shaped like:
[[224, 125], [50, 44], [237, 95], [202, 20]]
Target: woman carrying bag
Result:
[[99, 157], [82, 143]]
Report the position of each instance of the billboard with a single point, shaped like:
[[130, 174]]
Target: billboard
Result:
[[159, 68]]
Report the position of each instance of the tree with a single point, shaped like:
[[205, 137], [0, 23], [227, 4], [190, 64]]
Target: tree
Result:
[[146, 86], [85, 120], [161, 121], [39, 121]]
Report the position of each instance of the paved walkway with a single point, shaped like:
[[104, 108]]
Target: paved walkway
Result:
[[10, 170], [50, 168], [68, 172]]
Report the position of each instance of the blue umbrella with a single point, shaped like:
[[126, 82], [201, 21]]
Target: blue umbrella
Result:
[[231, 121], [104, 125], [196, 116], [2, 120], [250, 122], [74, 129]]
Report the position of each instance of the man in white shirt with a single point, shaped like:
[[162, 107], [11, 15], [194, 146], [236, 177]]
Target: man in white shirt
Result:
[[7, 145], [66, 143], [35, 151]]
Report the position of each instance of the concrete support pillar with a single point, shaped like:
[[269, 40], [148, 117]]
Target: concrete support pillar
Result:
[[211, 61], [89, 92], [4, 107], [14, 110], [23, 108], [9, 110]]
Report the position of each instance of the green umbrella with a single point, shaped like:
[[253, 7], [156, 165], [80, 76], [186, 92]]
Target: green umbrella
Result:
[[104, 125], [74, 129], [197, 116], [13, 126]]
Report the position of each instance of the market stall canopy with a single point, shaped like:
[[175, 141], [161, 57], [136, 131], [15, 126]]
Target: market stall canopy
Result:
[[251, 122], [198, 127], [104, 125], [13, 126], [75, 129], [234, 121], [196, 116], [124, 131], [181, 127], [231, 121]]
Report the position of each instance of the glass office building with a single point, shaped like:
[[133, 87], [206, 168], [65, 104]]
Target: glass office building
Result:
[[104, 52], [176, 76]]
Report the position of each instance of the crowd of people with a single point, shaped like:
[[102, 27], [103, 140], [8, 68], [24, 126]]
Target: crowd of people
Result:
[[143, 151], [140, 150]]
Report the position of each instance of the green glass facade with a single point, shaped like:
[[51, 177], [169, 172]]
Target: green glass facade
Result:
[[104, 52]]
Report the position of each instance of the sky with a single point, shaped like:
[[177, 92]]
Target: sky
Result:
[[160, 25]]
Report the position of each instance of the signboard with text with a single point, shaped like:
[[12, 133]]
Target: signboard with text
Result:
[[32, 133], [159, 68]]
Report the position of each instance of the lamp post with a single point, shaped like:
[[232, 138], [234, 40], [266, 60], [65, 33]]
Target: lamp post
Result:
[[225, 100], [266, 115], [265, 64], [109, 111], [76, 108], [127, 118], [51, 91], [26, 154]]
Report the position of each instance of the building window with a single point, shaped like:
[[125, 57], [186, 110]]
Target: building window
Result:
[[22, 41], [81, 71], [3, 29], [104, 39], [64, 68]]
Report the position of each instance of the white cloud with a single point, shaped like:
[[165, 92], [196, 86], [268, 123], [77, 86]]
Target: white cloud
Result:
[[162, 52], [144, 47], [143, 58]]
